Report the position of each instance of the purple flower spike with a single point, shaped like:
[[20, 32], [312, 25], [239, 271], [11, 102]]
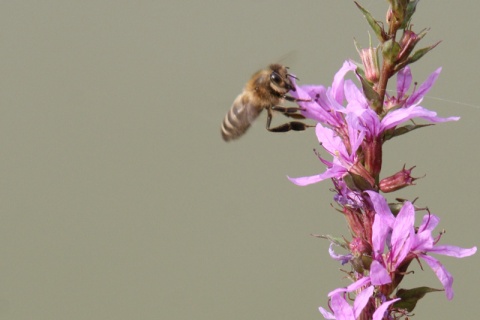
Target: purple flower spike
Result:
[[355, 117]]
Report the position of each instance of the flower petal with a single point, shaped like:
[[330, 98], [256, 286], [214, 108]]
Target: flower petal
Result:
[[442, 274], [394, 118], [339, 79], [418, 95], [380, 312], [453, 251], [361, 301], [330, 141], [404, 80], [429, 222], [378, 274], [354, 286], [403, 233], [335, 171], [341, 308], [383, 222], [327, 315], [344, 258], [305, 181]]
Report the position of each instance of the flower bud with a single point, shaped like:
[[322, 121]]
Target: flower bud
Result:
[[397, 12], [390, 52], [407, 43], [370, 63], [373, 156], [398, 181]]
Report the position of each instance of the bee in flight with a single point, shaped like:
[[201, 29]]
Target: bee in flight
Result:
[[266, 89]]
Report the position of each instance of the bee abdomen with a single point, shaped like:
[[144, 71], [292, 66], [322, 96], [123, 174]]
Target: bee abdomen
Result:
[[238, 119]]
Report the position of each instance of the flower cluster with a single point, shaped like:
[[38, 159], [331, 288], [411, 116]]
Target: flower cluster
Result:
[[346, 132], [353, 123]]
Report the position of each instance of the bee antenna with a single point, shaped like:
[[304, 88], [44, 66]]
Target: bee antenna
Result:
[[291, 75]]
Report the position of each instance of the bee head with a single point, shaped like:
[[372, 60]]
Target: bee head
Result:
[[280, 81]]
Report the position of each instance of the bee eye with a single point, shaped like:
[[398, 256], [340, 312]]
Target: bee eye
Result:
[[275, 78]]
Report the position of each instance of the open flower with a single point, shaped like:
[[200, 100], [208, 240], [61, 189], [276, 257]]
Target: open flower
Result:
[[344, 130], [364, 288], [396, 242]]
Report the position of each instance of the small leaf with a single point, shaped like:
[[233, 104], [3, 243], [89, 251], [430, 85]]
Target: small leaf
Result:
[[415, 56], [405, 129], [410, 297], [377, 29], [411, 7]]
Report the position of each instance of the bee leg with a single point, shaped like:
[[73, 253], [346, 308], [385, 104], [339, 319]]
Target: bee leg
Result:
[[293, 125], [290, 126], [290, 98], [294, 115], [289, 112], [286, 110]]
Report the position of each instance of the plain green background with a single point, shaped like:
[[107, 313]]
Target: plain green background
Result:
[[119, 199]]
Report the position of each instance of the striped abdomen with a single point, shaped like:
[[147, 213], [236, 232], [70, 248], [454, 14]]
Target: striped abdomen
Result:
[[239, 117]]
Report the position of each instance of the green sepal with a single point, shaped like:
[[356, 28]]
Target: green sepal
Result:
[[410, 297], [411, 7], [395, 207], [390, 51], [356, 182], [415, 56], [362, 263], [372, 96], [374, 24]]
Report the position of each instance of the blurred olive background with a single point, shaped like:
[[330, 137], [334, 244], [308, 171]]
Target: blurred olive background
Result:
[[119, 199]]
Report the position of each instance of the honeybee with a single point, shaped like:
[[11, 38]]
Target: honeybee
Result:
[[266, 89]]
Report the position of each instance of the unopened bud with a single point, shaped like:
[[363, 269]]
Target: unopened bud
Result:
[[396, 13], [390, 51], [407, 43], [398, 181], [389, 16], [370, 63]]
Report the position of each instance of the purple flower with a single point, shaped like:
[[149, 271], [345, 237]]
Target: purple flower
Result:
[[364, 288], [343, 160], [346, 197], [395, 240], [342, 131], [342, 309]]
